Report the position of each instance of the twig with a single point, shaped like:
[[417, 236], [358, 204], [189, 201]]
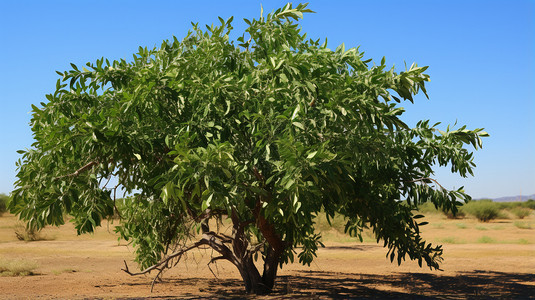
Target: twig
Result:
[[426, 178], [253, 249], [213, 261], [77, 172], [114, 201]]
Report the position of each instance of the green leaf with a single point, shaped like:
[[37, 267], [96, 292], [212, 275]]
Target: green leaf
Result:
[[299, 125], [296, 111], [206, 203], [312, 154], [289, 184], [283, 78]]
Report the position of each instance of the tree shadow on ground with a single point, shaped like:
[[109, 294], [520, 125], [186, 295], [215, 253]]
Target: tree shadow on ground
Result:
[[476, 284], [336, 285]]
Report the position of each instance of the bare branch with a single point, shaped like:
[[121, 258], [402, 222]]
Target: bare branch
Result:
[[226, 236], [164, 262], [106, 184], [213, 261], [210, 239]]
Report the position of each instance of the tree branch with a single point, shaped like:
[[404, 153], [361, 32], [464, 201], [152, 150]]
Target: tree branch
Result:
[[255, 248], [209, 238], [267, 229], [257, 174], [213, 261], [86, 167], [115, 201], [164, 262]]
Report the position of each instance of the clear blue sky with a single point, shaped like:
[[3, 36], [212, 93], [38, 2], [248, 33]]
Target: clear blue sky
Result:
[[480, 53]]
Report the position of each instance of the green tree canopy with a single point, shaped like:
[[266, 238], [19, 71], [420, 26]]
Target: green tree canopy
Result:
[[267, 131]]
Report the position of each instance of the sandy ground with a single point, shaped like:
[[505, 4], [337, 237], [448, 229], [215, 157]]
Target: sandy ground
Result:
[[72, 267]]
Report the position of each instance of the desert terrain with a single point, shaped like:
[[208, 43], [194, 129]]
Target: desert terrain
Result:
[[481, 260]]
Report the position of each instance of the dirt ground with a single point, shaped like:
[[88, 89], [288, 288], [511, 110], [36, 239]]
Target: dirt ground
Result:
[[502, 265]]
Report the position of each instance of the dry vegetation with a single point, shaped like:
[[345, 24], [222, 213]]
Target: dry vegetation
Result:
[[17, 267], [488, 259]]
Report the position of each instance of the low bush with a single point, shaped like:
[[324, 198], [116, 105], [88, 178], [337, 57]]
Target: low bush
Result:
[[521, 212], [459, 215], [508, 205], [28, 234], [429, 208], [337, 223], [17, 267], [483, 210], [530, 204], [3, 203]]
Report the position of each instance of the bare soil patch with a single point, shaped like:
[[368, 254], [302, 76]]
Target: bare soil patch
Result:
[[89, 267]]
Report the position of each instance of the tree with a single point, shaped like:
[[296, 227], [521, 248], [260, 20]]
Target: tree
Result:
[[266, 132]]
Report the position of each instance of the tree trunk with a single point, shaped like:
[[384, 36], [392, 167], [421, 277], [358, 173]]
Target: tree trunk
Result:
[[251, 278], [254, 283], [271, 266]]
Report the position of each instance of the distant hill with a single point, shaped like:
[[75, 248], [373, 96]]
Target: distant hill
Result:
[[513, 198]]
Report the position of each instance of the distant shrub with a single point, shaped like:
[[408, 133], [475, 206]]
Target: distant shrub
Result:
[[508, 205], [24, 233], [429, 208], [483, 210], [459, 215], [511, 205], [530, 204], [337, 223], [521, 212], [3, 203]]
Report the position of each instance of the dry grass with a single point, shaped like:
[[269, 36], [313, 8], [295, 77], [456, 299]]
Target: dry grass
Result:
[[522, 225], [486, 240], [17, 267], [461, 225], [452, 240]]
